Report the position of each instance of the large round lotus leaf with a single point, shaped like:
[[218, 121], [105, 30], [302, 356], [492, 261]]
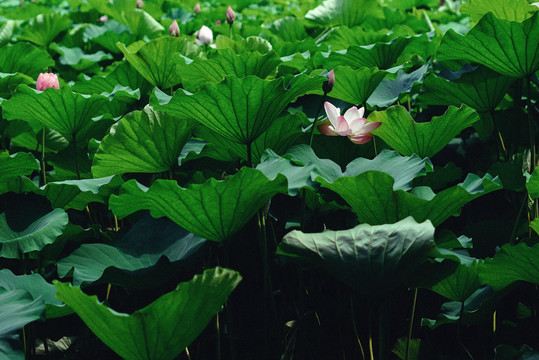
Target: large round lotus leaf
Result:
[[36, 286], [18, 308], [26, 224], [136, 260], [507, 47], [214, 210], [145, 141], [238, 109], [163, 329], [373, 260], [69, 113]]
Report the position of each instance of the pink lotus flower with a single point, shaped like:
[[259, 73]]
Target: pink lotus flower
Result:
[[174, 29], [196, 9], [104, 19], [47, 80], [351, 124], [204, 36], [230, 15], [328, 85], [140, 4]]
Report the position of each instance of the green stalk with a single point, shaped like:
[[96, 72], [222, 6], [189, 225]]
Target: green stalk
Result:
[[411, 325], [371, 350], [75, 155], [459, 336], [316, 118], [43, 170], [354, 325]]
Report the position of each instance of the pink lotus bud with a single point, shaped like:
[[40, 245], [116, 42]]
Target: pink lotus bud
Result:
[[230, 15], [328, 85], [535, 4], [174, 29], [204, 36], [196, 9], [140, 4], [47, 80], [104, 19], [218, 22]]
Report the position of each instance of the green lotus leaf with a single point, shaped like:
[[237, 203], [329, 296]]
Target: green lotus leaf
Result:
[[77, 59], [108, 35], [374, 201], [214, 210], [154, 60], [15, 165], [301, 167], [403, 134], [461, 284], [510, 264], [344, 37], [18, 308], [163, 329], [516, 10], [344, 12], [389, 90], [6, 32], [43, 230], [145, 141], [373, 260], [76, 194], [284, 132], [356, 86], [412, 4], [123, 78], [238, 109], [69, 113], [9, 82], [37, 287], [380, 55], [509, 48], [135, 260], [289, 29], [481, 89], [249, 44], [201, 71], [24, 58], [44, 28], [532, 184]]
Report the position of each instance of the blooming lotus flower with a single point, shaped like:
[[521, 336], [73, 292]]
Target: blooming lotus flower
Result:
[[196, 9], [204, 36], [351, 124], [230, 15], [47, 80], [140, 4], [104, 19], [174, 29]]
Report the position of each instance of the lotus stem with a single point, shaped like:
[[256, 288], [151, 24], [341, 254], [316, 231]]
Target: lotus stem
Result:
[[374, 145], [43, 170], [109, 286], [371, 350], [459, 336], [217, 327], [497, 129], [316, 118], [75, 155], [407, 356], [187, 353], [354, 325]]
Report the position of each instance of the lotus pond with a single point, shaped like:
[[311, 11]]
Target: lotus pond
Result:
[[338, 179]]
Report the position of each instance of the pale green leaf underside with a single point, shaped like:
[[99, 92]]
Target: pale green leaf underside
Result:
[[374, 260], [461, 284], [344, 12], [356, 86]]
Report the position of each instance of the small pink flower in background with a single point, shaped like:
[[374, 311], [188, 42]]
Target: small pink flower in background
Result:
[[535, 3], [196, 9], [230, 15], [174, 29], [104, 19], [218, 22], [140, 4], [204, 36], [328, 85], [351, 124], [47, 80]]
